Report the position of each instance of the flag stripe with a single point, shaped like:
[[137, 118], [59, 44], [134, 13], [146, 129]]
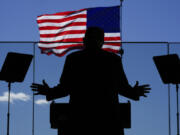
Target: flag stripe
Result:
[[113, 44], [74, 36], [61, 20], [111, 50], [69, 36], [61, 46], [75, 30], [65, 40], [112, 47], [60, 13], [63, 29], [116, 34], [53, 45], [63, 23], [58, 27], [71, 30], [63, 33], [117, 39], [58, 17]]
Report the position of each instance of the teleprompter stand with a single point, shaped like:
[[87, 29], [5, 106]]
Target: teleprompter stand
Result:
[[14, 69], [169, 69]]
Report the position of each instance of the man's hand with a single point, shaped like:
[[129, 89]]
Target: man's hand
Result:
[[41, 89], [141, 90]]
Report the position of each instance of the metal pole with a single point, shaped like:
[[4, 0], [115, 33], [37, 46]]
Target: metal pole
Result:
[[169, 109], [8, 114], [177, 87], [33, 107], [169, 98], [121, 51], [121, 5]]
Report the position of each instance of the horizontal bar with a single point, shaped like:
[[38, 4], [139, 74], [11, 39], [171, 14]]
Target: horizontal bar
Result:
[[131, 42]]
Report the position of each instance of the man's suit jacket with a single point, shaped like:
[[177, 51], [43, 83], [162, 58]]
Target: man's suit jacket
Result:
[[92, 77]]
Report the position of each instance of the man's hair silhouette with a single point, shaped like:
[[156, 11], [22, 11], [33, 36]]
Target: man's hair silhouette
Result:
[[93, 78], [94, 38]]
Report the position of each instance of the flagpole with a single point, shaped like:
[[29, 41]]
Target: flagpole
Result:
[[121, 51]]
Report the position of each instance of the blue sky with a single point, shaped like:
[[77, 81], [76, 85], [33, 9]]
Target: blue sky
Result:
[[150, 20]]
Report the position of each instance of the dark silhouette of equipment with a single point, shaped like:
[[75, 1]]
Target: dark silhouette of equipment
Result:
[[14, 69], [60, 115], [169, 69]]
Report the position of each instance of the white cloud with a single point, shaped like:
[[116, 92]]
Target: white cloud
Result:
[[41, 102], [14, 96]]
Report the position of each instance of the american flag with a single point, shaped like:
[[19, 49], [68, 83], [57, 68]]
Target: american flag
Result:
[[64, 31]]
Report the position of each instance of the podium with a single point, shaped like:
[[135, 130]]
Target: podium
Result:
[[14, 69], [168, 67], [60, 114]]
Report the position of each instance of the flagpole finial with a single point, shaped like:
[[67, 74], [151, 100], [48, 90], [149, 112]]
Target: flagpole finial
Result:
[[121, 1]]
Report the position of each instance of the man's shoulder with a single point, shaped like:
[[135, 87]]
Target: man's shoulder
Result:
[[101, 53], [75, 54], [111, 55]]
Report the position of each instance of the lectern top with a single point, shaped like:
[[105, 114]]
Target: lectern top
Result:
[[15, 67], [168, 67]]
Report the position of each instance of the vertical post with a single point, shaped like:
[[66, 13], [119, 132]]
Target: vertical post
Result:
[[177, 88], [169, 108], [168, 49], [8, 114], [34, 52], [169, 97], [121, 6]]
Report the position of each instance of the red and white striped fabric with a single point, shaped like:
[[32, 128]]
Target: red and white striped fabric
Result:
[[61, 32]]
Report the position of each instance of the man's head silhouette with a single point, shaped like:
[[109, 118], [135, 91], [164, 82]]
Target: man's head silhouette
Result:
[[94, 38]]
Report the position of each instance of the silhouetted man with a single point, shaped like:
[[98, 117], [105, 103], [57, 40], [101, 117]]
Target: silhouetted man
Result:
[[93, 78]]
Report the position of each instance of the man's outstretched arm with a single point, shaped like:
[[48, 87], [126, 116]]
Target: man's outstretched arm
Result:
[[127, 90], [50, 93], [135, 92], [61, 90]]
